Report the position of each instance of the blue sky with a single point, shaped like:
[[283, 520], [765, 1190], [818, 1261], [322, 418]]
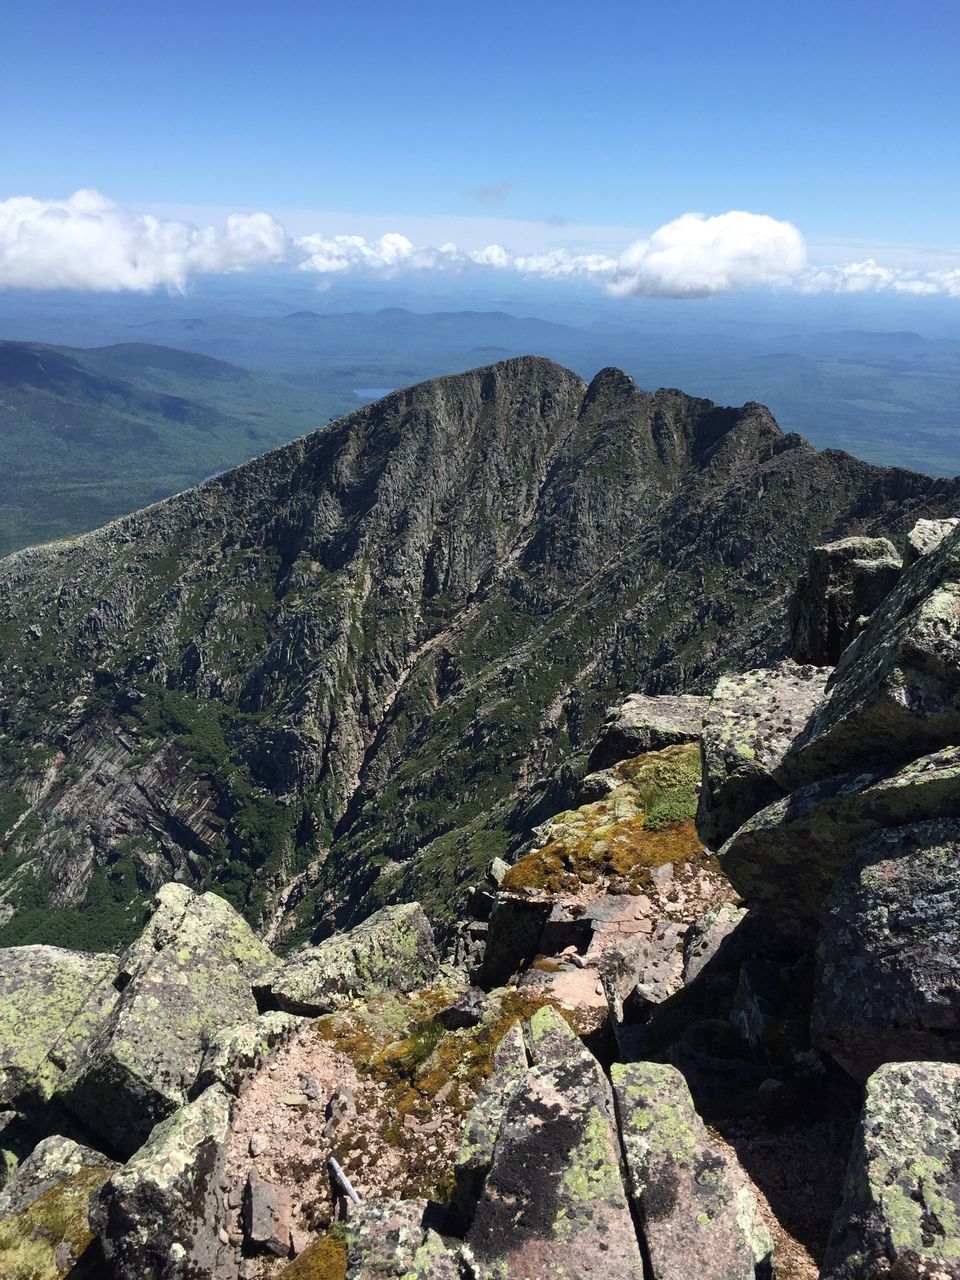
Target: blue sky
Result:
[[587, 126]]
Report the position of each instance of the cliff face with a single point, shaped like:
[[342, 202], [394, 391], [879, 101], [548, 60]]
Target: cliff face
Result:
[[339, 673]]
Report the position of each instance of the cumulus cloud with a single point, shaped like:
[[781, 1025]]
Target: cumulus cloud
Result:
[[89, 242], [695, 256], [870, 277]]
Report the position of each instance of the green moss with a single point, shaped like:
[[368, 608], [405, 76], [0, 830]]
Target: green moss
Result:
[[29, 1240]]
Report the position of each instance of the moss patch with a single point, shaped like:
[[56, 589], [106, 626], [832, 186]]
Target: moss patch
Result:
[[29, 1240]]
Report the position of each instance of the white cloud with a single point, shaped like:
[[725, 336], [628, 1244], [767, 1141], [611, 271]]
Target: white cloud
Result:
[[870, 277], [89, 242], [695, 256]]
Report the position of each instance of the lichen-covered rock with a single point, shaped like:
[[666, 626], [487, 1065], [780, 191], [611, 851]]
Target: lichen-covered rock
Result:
[[895, 693], [483, 1123], [645, 723], [190, 975], [888, 956], [392, 950], [51, 1001], [389, 1238], [844, 583], [900, 1215], [707, 936], [785, 858], [554, 1203], [698, 1210], [50, 1162], [926, 536], [750, 722], [158, 1217], [46, 1235], [239, 1052]]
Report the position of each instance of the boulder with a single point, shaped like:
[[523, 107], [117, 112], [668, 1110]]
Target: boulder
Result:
[[485, 1118], [51, 1002], [924, 537], [644, 723], [785, 858], [844, 582], [553, 1202], [895, 693], [888, 956], [51, 1161], [513, 939], [900, 1214], [158, 1217], [698, 1210], [707, 936], [749, 724], [238, 1053], [189, 975], [393, 950], [389, 1238], [266, 1216]]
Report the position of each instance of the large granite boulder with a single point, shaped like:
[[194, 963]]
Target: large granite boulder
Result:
[[393, 950], [158, 1217], [926, 536], [895, 693], [900, 1215], [553, 1203], [844, 582], [188, 976], [51, 1002], [44, 1231], [485, 1118], [698, 1209], [236, 1055], [785, 858], [750, 722], [644, 723], [888, 956]]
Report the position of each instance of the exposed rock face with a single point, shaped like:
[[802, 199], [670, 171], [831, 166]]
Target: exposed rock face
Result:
[[843, 584], [51, 1002], [190, 974], [888, 957], [553, 1201], [896, 692], [785, 858], [238, 1053], [51, 1161], [749, 723], [158, 1217], [337, 661], [391, 951], [647, 724], [901, 1210], [707, 936], [926, 536], [698, 1211], [486, 1117]]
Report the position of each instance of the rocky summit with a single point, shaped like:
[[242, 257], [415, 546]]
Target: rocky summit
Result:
[[512, 832]]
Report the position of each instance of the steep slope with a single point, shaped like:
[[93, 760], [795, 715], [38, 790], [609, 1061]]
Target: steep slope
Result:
[[349, 663], [87, 435]]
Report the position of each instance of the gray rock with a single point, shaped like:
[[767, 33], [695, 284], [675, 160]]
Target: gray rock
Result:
[[643, 723], [389, 1238], [926, 536], [707, 935], [895, 694], [51, 1003], [888, 956], [158, 1217], [844, 582], [513, 939], [900, 1214], [266, 1216], [235, 1055], [553, 1202], [759, 1001], [698, 1209], [393, 950], [784, 859], [485, 1118], [52, 1161], [190, 974], [749, 724]]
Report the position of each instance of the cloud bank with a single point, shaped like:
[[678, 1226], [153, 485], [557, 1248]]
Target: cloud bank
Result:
[[90, 242]]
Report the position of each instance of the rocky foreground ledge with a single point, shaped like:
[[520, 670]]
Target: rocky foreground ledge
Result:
[[706, 1024]]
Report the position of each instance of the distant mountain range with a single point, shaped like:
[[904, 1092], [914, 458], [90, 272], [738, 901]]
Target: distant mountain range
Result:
[[354, 670]]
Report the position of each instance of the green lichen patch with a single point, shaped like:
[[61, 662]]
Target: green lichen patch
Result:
[[45, 1240]]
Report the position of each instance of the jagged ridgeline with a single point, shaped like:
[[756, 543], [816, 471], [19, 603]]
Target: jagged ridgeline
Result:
[[347, 673]]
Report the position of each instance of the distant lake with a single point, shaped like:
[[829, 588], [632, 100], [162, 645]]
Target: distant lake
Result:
[[371, 393]]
